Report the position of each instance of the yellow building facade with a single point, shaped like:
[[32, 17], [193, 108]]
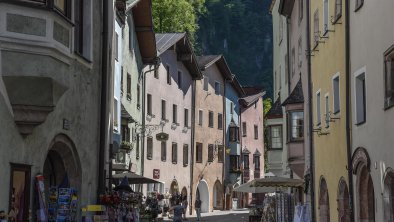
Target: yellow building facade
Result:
[[328, 71]]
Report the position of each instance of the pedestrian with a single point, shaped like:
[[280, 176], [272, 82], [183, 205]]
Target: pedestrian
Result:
[[184, 204], [197, 206], [178, 211]]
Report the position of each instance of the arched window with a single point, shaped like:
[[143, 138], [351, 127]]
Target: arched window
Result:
[[343, 202], [388, 195]]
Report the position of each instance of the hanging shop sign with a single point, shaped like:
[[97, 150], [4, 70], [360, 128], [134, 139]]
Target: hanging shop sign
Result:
[[156, 174], [162, 136]]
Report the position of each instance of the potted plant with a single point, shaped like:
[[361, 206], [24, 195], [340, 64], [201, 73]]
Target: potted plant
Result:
[[125, 145]]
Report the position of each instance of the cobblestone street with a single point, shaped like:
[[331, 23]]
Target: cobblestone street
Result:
[[220, 216]]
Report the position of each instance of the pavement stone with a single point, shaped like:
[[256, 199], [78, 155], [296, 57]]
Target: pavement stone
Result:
[[219, 216]]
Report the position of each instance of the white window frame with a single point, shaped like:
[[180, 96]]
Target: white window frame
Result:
[[356, 75], [334, 94], [318, 108]]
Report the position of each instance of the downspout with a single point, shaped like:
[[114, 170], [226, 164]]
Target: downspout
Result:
[[348, 110], [224, 127], [105, 58], [192, 145], [310, 110], [288, 56]]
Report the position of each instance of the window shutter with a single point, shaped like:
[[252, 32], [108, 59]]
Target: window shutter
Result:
[[210, 153], [149, 145], [185, 155], [220, 121], [163, 151], [174, 153], [220, 153]]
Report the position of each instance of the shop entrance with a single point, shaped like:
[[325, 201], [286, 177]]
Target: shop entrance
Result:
[[218, 196]]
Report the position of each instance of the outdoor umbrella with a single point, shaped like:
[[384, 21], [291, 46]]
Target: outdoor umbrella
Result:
[[269, 185], [134, 178], [124, 186]]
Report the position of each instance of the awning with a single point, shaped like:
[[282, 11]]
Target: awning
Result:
[[269, 185], [134, 178]]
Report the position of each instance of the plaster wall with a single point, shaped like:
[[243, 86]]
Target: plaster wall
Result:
[[370, 38]]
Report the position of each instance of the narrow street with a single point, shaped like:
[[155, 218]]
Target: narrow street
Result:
[[221, 216]]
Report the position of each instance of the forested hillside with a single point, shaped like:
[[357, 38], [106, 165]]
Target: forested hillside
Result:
[[242, 31]]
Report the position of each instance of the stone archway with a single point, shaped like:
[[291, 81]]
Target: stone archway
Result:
[[218, 196], [202, 193], [343, 202], [324, 203], [62, 159], [174, 188], [388, 195], [184, 193]]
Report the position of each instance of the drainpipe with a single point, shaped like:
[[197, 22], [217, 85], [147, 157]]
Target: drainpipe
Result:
[[192, 145], [224, 143], [288, 57], [348, 110], [105, 74], [310, 94]]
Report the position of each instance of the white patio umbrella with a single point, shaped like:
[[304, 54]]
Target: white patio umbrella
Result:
[[269, 185]]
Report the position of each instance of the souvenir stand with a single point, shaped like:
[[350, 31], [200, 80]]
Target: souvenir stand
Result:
[[277, 203]]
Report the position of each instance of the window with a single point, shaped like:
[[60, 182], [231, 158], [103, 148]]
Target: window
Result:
[[293, 64], [128, 87], [163, 151], [220, 153], [296, 125], [116, 46], [231, 108], [138, 96], [156, 73], [300, 56], [168, 75], [116, 114], [389, 77], [179, 79], [244, 129], [163, 110], [121, 80], [131, 34], [120, 157], [217, 88], [325, 17], [335, 87], [316, 30], [149, 104], [63, 6], [246, 161], [206, 83], [174, 113], [234, 133], [137, 150], [125, 132], [174, 153], [220, 121], [149, 147], [300, 10], [360, 99], [185, 154], [256, 132], [79, 26], [210, 152], [186, 117], [275, 137], [359, 4], [327, 112], [318, 113], [198, 152], [210, 119], [338, 10], [200, 116], [234, 163], [256, 161]]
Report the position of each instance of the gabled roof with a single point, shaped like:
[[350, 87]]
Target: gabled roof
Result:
[[286, 7], [237, 86], [276, 110], [184, 49], [143, 25], [206, 61], [296, 96], [252, 95]]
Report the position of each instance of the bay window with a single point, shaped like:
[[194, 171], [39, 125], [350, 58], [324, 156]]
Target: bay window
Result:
[[234, 163], [275, 137], [234, 133]]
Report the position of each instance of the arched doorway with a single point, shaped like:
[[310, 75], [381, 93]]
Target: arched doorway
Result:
[[343, 202], [324, 204], [61, 160], [184, 193], [366, 195], [203, 194], [174, 189], [388, 195], [218, 196]]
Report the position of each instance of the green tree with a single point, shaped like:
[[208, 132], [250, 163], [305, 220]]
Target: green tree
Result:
[[177, 15], [267, 104]]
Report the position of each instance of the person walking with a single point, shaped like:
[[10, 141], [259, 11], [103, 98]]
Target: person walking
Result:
[[197, 206], [178, 211], [184, 204]]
